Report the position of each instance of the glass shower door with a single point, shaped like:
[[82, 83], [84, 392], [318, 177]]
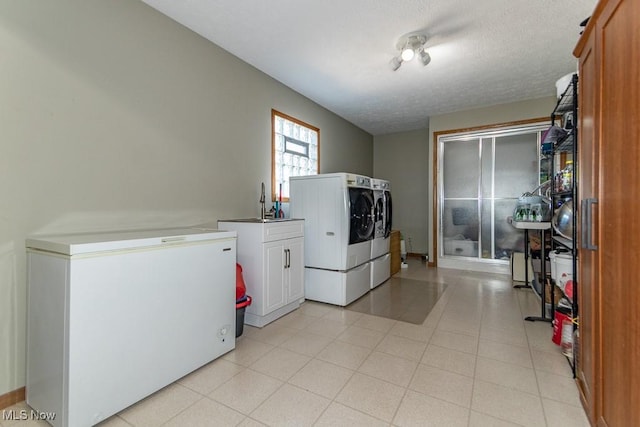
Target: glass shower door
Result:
[[481, 178], [515, 171], [460, 218]]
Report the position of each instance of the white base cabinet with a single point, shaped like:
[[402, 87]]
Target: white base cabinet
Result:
[[272, 258]]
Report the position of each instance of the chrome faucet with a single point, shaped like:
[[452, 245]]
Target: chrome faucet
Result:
[[263, 210]]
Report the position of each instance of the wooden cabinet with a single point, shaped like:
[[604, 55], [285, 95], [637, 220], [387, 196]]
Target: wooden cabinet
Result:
[[394, 250], [588, 178], [608, 371], [272, 258]]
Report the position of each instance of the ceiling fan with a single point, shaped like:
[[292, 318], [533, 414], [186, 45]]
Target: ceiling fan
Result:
[[410, 45]]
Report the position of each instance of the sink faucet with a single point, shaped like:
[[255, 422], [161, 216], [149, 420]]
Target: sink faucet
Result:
[[263, 210]]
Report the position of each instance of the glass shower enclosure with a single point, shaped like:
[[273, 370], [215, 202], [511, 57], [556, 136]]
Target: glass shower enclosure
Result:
[[481, 176]]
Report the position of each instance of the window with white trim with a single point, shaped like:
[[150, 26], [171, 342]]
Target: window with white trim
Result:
[[295, 151]]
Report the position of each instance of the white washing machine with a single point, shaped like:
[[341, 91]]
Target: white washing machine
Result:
[[337, 209], [382, 210]]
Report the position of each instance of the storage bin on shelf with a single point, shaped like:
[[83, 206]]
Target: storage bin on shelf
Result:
[[561, 263]]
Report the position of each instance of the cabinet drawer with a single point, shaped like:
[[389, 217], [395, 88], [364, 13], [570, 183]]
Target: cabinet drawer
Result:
[[283, 230]]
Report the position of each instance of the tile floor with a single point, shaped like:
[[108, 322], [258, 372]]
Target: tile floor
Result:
[[473, 362]]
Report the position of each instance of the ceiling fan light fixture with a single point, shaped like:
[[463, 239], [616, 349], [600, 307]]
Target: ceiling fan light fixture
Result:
[[407, 54], [395, 63], [410, 45], [424, 56]]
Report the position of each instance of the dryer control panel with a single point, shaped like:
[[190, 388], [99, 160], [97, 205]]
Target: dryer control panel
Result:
[[360, 181]]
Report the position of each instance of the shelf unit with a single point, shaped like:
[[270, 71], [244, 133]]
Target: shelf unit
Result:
[[566, 148]]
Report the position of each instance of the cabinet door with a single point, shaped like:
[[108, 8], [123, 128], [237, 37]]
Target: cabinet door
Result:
[[274, 286], [588, 169], [295, 272], [618, 43]]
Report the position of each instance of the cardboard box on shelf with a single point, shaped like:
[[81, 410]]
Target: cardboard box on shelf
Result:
[[557, 293]]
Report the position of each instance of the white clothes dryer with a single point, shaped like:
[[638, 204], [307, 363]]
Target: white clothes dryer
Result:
[[382, 212], [337, 209]]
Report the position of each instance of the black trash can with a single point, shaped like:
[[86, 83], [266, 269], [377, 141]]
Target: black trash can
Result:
[[241, 306]]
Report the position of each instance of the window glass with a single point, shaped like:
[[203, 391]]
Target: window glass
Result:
[[295, 151]]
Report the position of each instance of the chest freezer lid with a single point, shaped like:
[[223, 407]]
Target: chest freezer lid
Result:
[[83, 243]]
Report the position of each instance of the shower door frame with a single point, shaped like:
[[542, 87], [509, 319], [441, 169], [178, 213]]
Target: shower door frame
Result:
[[477, 263]]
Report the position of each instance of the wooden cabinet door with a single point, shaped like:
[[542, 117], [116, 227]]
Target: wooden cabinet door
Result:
[[618, 46], [588, 265]]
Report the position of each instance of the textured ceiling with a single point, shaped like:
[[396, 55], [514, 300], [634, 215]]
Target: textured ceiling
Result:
[[337, 52]]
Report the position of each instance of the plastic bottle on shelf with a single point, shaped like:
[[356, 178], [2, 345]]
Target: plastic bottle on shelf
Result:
[[522, 213], [567, 176], [557, 180], [518, 214]]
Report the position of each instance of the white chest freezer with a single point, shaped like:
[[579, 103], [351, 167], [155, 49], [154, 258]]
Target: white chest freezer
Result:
[[114, 317]]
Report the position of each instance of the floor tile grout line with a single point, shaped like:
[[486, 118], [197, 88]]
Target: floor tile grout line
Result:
[[544, 412], [190, 406], [357, 371], [333, 400], [415, 369], [353, 373], [309, 361]]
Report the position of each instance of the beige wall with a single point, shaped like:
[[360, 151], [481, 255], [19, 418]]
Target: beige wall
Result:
[[402, 159], [505, 113], [114, 116]]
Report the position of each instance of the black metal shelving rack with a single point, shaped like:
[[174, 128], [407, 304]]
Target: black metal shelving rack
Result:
[[568, 102]]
